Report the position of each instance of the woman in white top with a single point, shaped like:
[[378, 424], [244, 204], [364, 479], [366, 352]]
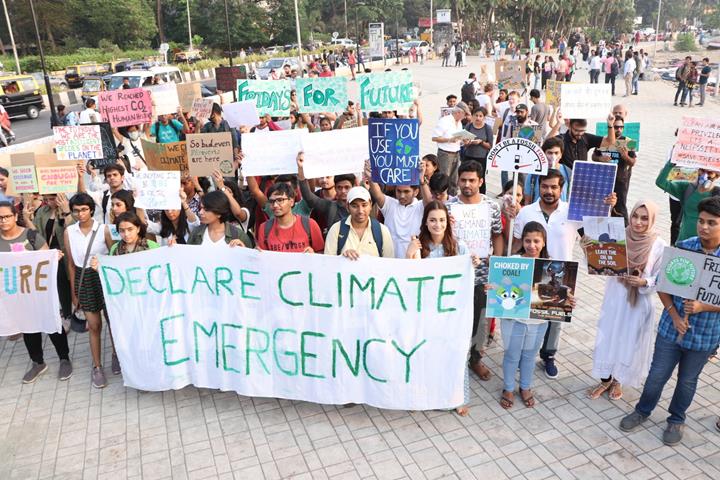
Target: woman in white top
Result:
[[174, 225], [216, 229], [626, 329], [85, 283]]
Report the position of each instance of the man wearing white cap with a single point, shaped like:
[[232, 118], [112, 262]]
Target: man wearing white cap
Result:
[[359, 234]]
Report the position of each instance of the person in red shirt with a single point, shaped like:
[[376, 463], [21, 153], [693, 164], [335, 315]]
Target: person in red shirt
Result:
[[326, 72], [285, 231]]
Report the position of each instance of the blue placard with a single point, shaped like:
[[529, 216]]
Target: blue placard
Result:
[[591, 183], [394, 150], [511, 280]]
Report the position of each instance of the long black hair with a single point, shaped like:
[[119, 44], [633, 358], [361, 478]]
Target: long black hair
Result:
[[167, 228], [532, 227]]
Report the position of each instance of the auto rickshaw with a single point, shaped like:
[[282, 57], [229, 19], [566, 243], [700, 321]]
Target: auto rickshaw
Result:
[[92, 86]]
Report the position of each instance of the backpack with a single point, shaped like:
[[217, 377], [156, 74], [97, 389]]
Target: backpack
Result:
[[305, 224], [467, 92], [376, 233], [614, 68], [32, 237]]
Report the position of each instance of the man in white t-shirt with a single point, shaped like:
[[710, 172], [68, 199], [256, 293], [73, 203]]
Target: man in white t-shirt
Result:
[[403, 214], [448, 154]]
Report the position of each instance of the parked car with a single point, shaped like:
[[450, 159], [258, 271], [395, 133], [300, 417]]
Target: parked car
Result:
[[263, 71], [275, 49], [56, 82], [342, 42], [420, 46], [75, 74], [92, 86], [20, 95], [188, 56], [143, 78]]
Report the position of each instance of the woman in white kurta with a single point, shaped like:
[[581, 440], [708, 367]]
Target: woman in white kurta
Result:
[[626, 329]]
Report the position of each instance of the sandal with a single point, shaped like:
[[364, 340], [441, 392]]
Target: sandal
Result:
[[717, 424], [463, 411], [597, 392], [481, 370], [507, 400], [528, 400], [615, 392]]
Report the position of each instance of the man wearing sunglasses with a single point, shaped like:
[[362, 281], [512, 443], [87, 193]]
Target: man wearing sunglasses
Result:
[[624, 157]]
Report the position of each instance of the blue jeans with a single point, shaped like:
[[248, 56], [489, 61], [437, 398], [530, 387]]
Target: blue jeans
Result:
[[522, 344], [635, 78], [667, 355]]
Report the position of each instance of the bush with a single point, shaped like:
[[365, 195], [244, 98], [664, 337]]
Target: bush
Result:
[[59, 62], [685, 43]]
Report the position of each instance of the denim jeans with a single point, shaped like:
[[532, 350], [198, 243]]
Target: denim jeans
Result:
[[521, 342], [690, 364], [635, 82]]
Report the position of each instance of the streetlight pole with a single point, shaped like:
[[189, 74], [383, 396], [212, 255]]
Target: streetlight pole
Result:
[[187, 3], [12, 38], [48, 87], [227, 30], [657, 29], [431, 25], [299, 38], [347, 35]]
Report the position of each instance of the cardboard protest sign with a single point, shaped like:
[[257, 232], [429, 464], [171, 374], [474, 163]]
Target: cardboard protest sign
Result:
[[272, 97], [553, 286], [698, 143], [585, 100], [529, 132], [22, 173], [591, 183], [125, 107], [631, 131], [247, 321], [472, 226], [394, 150], [109, 148], [510, 74], [321, 94], [445, 111], [164, 99], [238, 114], [272, 153], [321, 152], [683, 174], [157, 190], [518, 155], [226, 77], [607, 252], [511, 279], [29, 301], [486, 72], [166, 156], [210, 151], [201, 108], [690, 275], [553, 93], [82, 142], [57, 179], [386, 91], [187, 93]]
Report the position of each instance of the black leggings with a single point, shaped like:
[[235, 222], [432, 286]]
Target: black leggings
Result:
[[33, 343]]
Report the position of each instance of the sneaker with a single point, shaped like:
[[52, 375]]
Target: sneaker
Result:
[[115, 365], [35, 371], [551, 371], [675, 104], [632, 421], [98, 378], [65, 371], [673, 434]]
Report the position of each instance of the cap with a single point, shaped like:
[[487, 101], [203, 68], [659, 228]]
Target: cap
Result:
[[463, 106], [521, 106], [356, 193]]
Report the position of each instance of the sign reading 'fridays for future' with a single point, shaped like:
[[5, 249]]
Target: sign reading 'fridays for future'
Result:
[[386, 91], [386, 332], [272, 97], [690, 275], [321, 94]]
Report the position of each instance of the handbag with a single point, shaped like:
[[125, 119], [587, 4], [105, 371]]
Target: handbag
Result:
[[79, 323]]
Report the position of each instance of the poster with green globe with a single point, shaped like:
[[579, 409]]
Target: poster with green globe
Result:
[[394, 150], [690, 275]]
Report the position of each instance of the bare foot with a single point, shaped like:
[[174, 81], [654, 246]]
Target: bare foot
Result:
[[463, 411]]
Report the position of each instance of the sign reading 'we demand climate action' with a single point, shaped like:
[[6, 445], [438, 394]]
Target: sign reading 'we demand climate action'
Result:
[[385, 332]]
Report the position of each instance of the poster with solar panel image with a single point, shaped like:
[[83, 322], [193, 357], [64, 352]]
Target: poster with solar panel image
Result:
[[591, 182]]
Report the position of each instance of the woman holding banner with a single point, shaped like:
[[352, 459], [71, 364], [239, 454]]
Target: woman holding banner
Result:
[[626, 329], [436, 240], [83, 240], [14, 238], [174, 225], [216, 229]]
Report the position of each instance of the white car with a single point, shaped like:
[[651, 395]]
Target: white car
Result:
[[421, 47], [342, 42]]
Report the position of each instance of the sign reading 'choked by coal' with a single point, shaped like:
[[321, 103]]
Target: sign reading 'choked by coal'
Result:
[[208, 152], [690, 275]]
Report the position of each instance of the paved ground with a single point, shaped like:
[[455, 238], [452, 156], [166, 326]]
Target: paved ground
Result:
[[68, 430]]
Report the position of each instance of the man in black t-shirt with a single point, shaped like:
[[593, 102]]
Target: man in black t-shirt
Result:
[[577, 142], [625, 158], [703, 79]]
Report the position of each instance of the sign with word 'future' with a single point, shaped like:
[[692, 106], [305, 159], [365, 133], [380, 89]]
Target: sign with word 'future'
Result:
[[690, 275], [272, 97], [294, 326], [394, 150], [386, 91], [321, 94]]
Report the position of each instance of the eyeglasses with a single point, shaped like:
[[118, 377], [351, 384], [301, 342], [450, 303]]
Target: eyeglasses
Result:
[[81, 210], [618, 127], [4, 218], [278, 201]]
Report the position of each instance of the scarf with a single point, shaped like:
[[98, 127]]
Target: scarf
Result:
[[140, 246], [639, 245]]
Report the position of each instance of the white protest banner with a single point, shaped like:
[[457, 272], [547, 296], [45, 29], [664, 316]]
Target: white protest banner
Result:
[[472, 226], [272, 153], [321, 152], [698, 143], [518, 154], [157, 190], [238, 114], [164, 99], [29, 300], [81, 142], [585, 100], [201, 108], [390, 333]]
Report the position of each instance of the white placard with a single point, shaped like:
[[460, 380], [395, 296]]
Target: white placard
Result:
[[164, 99], [585, 100], [238, 114], [472, 226], [335, 152], [272, 153], [157, 190], [294, 326], [201, 108], [29, 300]]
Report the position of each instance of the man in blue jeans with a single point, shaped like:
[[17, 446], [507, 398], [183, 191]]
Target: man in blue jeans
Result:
[[686, 342]]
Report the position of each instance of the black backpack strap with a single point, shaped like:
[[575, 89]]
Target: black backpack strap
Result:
[[268, 227], [306, 226], [32, 237], [105, 201], [376, 229], [342, 236]]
